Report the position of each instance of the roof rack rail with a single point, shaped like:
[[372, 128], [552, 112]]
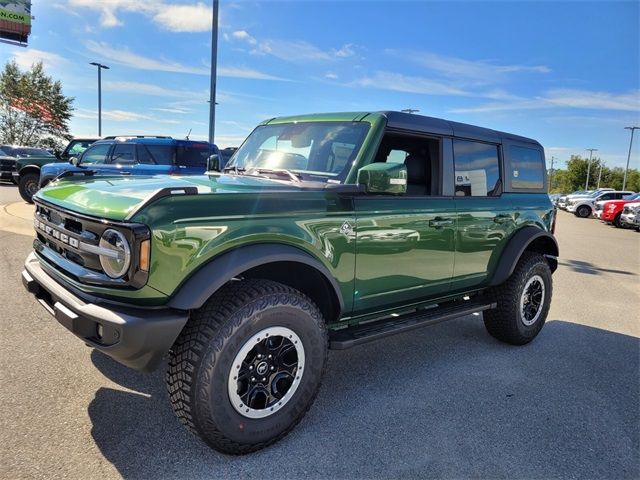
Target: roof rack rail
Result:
[[113, 137]]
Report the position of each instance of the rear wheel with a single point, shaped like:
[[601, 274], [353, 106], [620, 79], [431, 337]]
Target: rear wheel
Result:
[[616, 220], [522, 301], [28, 186], [248, 365]]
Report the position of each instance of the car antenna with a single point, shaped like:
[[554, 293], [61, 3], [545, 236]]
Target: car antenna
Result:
[[187, 137]]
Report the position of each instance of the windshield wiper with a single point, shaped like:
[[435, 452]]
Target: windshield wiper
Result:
[[282, 172]]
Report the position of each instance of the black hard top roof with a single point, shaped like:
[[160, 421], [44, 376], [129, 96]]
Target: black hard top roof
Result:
[[410, 121]]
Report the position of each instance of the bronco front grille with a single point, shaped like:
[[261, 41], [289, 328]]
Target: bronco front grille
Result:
[[69, 242]]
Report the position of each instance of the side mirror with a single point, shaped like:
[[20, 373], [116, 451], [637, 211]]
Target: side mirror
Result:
[[213, 163], [75, 161], [388, 178]]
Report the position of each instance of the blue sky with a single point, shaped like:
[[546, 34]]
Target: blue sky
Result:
[[565, 73]]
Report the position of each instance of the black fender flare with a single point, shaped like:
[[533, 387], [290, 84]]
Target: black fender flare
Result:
[[31, 166], [199, 287], [518, 243]]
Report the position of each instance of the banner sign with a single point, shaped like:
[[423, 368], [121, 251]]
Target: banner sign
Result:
[[15, 20]]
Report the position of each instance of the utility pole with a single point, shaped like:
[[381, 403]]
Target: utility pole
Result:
[[100, 67], [599, 175], [410, 110], [214, 71], [626, 170], [591, 150]]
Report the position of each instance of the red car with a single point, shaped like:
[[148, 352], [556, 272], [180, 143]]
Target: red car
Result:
[[612, 210]]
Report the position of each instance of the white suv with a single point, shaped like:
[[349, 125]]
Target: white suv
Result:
[[584, 206], [630, 214]]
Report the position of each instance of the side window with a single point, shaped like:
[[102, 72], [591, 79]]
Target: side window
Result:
[[144, 157], [477, 169], [525, 168], [607, 196], [162, 154], [124, 154], [77, 148], [420, 155], [96, 154]]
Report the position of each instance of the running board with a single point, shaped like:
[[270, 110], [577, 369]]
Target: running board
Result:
[[370, 331]]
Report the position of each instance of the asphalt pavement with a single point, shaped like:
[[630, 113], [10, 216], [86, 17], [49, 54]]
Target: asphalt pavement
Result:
[[447, 401]]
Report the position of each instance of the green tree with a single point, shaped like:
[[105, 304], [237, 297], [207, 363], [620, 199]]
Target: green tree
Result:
[[33, 109]]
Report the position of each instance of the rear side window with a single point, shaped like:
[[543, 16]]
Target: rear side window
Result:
[[195, 155], [477, 169], [124, 153], [96, 154], [525, 170], [161, 154]]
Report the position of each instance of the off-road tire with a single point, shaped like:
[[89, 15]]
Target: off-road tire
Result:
[[583, 211], [25, 183], [505, 322], [202, 357]]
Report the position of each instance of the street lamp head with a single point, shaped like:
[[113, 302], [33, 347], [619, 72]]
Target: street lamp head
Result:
[[99, 65], [631, 128]]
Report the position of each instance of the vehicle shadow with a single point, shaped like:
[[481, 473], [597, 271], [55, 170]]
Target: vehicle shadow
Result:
[[589, 268], [446, 401]]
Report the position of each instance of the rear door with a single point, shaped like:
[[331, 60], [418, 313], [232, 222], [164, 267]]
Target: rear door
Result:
[[485, 216], [122, 160]]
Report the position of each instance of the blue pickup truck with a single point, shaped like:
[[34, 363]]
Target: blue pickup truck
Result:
[[139, 155]]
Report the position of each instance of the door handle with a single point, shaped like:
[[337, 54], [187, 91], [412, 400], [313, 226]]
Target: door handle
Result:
[[441, 222], [502, 218]]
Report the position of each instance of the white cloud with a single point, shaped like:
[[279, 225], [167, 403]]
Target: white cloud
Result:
[[583, 99], [151, 89], [244, 35], [28, 56], [461, 69], [409, 84], [331, 76], [175, 17], [124, 56], [185, 18], [180, 111], [346, 51]]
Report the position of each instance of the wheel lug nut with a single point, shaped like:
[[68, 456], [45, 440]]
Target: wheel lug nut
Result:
[[253, 379], [264, 379], [259, 356], [269, 356], [273, 368], [250, 367]]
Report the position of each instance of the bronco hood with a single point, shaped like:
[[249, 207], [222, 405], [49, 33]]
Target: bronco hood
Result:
[[117, 197]]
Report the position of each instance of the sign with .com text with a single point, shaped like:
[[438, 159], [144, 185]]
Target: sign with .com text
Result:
[[15, 21]]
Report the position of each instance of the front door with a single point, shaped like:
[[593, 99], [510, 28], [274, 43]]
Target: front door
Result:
[[405, 243]]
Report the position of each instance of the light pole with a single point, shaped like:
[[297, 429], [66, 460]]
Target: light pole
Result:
[[591, 150], [599, 175], [551, 173], [624, 181], [214, 71], [100, 67]]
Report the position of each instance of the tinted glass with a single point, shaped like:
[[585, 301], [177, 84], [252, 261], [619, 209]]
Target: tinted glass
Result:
[[77, 147], [162, 154], [319, 151], [525, 168], [96, 154], [476, 168], [194, 155], [124, 153], [144, 156]]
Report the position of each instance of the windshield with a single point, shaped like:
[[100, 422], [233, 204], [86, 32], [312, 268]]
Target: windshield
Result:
[[320, 151], [25, 151]]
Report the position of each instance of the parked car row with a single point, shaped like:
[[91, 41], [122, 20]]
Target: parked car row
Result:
[[620, 208], [32, 169]]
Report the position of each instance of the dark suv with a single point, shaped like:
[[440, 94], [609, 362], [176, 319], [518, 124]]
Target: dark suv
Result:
[[140, 155], [323, 231]]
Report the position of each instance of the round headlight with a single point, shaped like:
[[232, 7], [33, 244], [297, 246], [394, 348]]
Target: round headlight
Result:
[[116, 257]]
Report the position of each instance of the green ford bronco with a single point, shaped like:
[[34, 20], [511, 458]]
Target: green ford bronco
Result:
[[323, 232]]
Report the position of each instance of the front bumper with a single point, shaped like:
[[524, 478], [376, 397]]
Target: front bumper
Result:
[[136, 337], [628, 219]]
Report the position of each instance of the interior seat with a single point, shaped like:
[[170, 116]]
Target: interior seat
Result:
[[416, 174]]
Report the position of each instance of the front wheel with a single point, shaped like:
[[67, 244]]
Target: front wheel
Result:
[[617, 220], [248, 365], [522, 301], [583, 211], [28, 186]]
